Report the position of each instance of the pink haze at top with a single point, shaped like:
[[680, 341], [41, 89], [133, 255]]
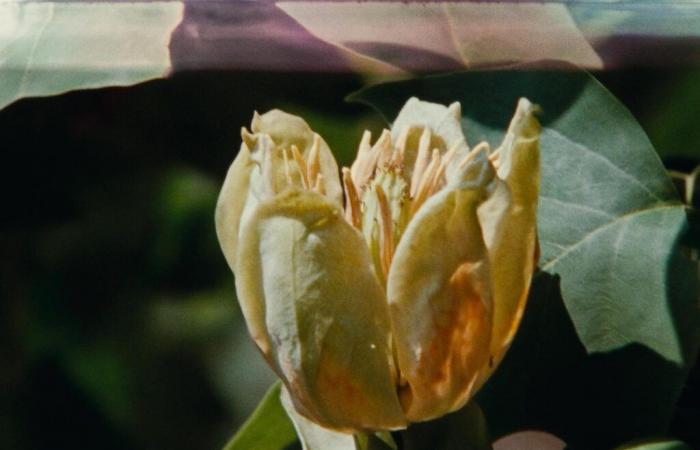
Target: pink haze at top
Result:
[[400, 37]]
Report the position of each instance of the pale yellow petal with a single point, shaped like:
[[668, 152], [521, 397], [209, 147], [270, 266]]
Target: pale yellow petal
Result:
[[440, 300], [261, 170], [313, 436], [518, 157], [231, 202], [287, 130], [444, 123], [315, 308], [509, 220]]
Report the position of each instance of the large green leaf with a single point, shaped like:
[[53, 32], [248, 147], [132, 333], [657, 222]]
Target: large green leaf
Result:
[[613, 324], [268, 428], [639, 18], [390, 36], [47, 48]]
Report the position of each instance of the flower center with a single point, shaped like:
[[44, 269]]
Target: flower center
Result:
[[388, 183], [385, 187]]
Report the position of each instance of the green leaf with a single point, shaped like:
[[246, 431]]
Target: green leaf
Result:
[[656, 445], [315, 437], [48, 48], [374, 441], [672, 125], [464, 429], [644, 18], [465, 34], [613, 313], [268, 428]]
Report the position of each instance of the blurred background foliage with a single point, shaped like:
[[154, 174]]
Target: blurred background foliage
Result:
[[119, 327]]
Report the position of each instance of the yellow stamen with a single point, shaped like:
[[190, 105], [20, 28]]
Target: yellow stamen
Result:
[[314, 159], [438, 180], [268, 173], [400, 147], [320, 185], [287, 168], [352, 209], [363, 167], [387, 240], [384, 148], [422, 159], [481, 146], [426, 181], [302, 167], [365, 144]]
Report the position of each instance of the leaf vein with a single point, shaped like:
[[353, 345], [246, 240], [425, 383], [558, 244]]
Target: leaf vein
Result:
[[21, 90], [577, 206], [591, 234], [546, 241], [606, 161]]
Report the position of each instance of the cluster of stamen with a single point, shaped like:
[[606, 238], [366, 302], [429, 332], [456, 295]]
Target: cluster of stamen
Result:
[[385, 186], [308, 170], [364, 182], [299, 170]]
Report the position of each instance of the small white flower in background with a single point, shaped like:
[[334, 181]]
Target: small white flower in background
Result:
[[390, 293]]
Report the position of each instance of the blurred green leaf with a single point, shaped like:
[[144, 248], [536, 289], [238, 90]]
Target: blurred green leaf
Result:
[[183, 206], [656, 445], [673, 123], [268, 428], [194, 318], [462, 430], [47, 48], [609, 220], [104, 375]]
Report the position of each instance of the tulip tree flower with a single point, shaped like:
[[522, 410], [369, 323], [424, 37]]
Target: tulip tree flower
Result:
[[388, 292]]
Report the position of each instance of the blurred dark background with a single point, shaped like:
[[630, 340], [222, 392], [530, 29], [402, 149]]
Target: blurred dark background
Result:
[[119, 327]]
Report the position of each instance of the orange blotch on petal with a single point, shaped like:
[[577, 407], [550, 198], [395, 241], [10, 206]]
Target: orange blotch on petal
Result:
[[458, 350]]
